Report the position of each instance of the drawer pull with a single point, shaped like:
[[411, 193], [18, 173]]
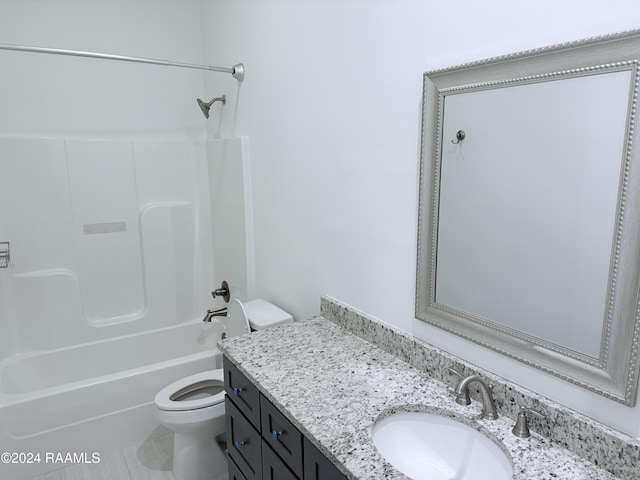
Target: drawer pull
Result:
[[237, 391], [239, 444], [276, 435]]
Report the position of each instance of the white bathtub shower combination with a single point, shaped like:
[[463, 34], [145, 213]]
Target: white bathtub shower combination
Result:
[[121, 217], [122, 213], [102, 304], [96, 397]]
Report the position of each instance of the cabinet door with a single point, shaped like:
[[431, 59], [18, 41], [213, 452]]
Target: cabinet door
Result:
[[243, 443], [234, 471], [317, 466], [281, 435], [244, 394], [273, 468]]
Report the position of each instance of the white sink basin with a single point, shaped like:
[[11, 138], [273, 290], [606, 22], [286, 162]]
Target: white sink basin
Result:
[[426, 446]]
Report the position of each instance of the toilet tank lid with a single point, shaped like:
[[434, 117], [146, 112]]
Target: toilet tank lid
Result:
[[262, 314]]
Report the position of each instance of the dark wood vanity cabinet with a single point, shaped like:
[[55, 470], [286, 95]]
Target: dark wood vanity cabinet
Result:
[[274, 468], [244, 393], [317, 466], [243, 442], [262, 443], [234, 472]]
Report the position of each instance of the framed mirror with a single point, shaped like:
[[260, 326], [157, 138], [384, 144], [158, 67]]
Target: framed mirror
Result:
[[529, 211]]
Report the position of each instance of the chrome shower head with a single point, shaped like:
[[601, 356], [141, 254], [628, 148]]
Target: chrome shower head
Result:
[[206, 106]]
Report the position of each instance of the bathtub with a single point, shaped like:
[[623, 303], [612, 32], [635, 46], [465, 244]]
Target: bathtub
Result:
[[95, 397]]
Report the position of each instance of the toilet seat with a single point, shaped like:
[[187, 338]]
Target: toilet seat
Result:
[[237, 321], [164, 399]]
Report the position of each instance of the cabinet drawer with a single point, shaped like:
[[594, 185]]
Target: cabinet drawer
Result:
[[243, 393], [273, 468], [281, 435], [234, 471], [243, 443], [317, 466]]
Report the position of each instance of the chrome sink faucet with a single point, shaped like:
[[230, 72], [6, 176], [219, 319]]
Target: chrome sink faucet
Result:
[[461, 393]]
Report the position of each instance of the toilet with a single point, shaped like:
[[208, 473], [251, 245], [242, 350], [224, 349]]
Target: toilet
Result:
[[193, 407]]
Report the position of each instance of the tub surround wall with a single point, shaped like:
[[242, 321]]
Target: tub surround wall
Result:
[[602, 445], [88, 144], [109, 237], [230, 206]]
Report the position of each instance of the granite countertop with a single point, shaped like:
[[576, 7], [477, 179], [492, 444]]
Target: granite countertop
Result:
[[333, 386]]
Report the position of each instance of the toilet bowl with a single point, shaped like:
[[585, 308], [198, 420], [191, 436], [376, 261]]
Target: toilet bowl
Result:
[[193, 407]]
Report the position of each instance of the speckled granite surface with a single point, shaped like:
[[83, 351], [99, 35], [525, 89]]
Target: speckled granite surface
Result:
[[601, 445], [333, 385]]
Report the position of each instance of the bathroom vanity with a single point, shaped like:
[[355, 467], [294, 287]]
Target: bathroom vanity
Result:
[[321, 388], [262, 442]]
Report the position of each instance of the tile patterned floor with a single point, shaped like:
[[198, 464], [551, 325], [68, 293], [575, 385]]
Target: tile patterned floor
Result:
[[150, 461]]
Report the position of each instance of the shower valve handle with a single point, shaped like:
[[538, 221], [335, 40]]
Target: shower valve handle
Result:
[[223, 292]]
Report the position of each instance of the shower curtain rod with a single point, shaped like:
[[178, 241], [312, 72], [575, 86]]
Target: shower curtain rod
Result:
[[237, 71]]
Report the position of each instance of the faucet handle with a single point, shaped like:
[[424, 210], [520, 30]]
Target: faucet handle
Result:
[[521, 428], [462, 396], [455, 372], [223, 292]]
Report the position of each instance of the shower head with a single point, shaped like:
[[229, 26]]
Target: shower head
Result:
[[206, 106]]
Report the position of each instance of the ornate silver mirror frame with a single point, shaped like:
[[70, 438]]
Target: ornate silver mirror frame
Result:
[[613, 372]]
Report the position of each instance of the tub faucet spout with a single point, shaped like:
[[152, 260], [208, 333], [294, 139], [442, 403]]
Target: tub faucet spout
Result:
[[221, 312]]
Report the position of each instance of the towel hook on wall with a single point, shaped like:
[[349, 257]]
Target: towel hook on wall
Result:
[[459, 136], [5, 255]]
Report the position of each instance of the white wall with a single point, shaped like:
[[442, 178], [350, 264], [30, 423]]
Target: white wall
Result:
[[331, 104], [85, 141], [52, 93]]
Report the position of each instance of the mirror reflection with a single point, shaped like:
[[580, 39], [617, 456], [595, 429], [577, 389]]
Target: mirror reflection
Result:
[[528, 221], [527, 205]]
